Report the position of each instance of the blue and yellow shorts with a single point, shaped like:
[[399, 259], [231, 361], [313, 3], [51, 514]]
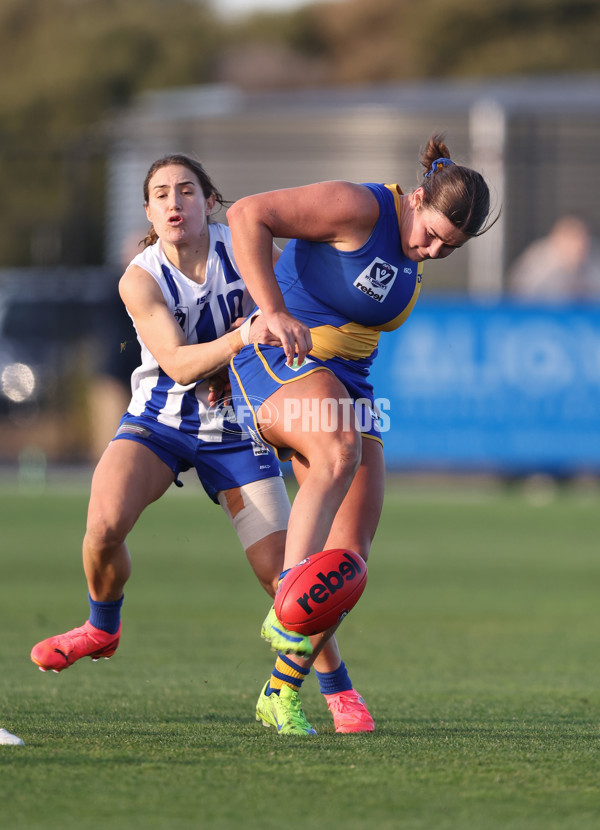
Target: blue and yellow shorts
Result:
[[259, 370]]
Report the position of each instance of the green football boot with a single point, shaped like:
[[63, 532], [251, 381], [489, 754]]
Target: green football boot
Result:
[[283, 711], [281, 639]]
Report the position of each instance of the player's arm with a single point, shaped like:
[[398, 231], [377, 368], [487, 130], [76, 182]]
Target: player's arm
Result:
[[163, 336], [340, 213]]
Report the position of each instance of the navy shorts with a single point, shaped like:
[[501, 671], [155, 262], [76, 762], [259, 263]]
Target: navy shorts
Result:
[[220, 466]]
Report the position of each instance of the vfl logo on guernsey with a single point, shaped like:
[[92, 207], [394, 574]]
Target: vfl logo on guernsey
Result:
[[377, 279], [181, 315]]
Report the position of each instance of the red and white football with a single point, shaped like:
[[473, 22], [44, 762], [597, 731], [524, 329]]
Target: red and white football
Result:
[[319, 591]]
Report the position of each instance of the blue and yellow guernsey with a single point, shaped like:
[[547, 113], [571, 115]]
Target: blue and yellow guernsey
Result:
[[348, 298]]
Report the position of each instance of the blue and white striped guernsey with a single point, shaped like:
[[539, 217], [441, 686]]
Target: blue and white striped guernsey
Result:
[[204, 312]]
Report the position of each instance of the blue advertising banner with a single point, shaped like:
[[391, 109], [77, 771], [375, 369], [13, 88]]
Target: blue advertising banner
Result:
[[503, 387]]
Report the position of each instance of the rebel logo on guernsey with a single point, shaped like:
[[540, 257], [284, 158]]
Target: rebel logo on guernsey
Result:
[[377, 279], [327, 584]]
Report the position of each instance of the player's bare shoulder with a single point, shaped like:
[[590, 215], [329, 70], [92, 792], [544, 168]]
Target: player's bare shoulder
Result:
[[137, 286], [357, 211]]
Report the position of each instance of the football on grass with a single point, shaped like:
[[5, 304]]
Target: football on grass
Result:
[[318, 592]]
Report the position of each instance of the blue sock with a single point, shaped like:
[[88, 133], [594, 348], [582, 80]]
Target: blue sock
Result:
[[332, 682], [106, 615]]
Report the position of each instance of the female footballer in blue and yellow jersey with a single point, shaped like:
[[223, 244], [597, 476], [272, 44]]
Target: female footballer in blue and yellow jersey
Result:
[[351, 270], [346, 298]]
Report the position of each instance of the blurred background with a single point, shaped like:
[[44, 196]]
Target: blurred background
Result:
[[496, 373]]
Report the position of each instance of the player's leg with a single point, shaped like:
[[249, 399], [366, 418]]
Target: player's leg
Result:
[[127, 478], [353, 528], [307, 410], [312, 421], [331, 460], [311, 416], [259, 513], [279, 701], [251, 510]]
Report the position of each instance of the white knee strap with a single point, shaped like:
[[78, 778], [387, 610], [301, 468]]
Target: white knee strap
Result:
[[257, 509]]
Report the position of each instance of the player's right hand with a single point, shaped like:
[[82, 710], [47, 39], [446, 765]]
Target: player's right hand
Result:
[[295, 337], [260, 332]]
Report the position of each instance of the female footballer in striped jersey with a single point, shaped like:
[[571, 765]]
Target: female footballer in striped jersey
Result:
[[184, 294]]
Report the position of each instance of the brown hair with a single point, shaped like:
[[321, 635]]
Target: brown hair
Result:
[[457, 192], [204, 180]]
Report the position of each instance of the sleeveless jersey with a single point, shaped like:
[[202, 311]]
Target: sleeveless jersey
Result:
[[348, 297], [204, 313]]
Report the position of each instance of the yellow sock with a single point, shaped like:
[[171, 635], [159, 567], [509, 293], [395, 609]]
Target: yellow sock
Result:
[[287, 673]]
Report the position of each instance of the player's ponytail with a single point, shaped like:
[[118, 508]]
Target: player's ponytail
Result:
[[150, 238], [457, 192]]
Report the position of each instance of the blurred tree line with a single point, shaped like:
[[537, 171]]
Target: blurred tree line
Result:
[[65, 65]]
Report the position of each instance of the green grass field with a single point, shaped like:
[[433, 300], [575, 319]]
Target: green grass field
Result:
[[476, 645]]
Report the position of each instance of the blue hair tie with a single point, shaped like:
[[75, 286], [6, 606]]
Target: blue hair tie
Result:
[[437, 164]]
